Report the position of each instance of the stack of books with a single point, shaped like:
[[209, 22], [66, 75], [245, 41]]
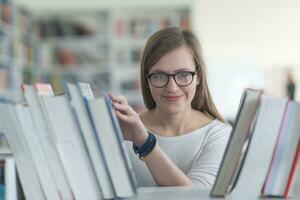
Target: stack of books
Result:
[[262, 155], [67, 146], [70, 146]]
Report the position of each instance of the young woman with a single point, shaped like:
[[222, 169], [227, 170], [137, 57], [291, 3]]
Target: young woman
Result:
[[180, 139]]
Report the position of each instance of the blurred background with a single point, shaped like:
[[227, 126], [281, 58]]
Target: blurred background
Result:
[[251, 43]]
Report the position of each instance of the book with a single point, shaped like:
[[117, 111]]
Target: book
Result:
[[241, 131], [71, 148], [284, 152], [88, 94], [112, 150], [2, 179], [90, 139], [47, 141], [10, 125], [8, 179], [121, 141], [249, 183], [292, 188], [32, 141]]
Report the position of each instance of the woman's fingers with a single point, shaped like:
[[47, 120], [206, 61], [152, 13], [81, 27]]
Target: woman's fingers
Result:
[[118, 99], [122, 117], [123, 108]]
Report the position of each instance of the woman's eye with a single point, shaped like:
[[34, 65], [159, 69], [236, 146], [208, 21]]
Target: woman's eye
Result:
[[182, 74], [159, 77]]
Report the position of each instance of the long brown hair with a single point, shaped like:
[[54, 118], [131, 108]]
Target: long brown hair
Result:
[[161, 43]]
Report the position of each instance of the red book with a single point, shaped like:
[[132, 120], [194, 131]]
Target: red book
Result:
[[293, 172]]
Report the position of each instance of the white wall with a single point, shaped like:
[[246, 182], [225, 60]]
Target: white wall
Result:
[[248, 43], [268, 29]]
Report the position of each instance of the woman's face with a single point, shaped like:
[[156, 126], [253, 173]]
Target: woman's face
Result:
[[172, 98]]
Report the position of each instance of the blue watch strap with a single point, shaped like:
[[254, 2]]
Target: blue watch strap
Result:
[[147, 147]]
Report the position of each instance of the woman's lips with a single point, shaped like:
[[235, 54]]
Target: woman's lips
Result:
[[173, 98]]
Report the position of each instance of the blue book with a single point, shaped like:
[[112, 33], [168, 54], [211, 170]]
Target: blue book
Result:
[[120, 138]]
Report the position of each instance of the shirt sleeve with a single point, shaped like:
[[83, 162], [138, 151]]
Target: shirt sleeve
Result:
[[206, 163]]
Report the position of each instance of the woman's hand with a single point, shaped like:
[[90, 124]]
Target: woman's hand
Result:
[[132, 127]]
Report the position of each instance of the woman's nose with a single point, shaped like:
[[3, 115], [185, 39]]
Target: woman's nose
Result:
[[172, 85]]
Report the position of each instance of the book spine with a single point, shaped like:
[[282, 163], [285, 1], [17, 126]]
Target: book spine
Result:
[[292, 172], [119, 134]]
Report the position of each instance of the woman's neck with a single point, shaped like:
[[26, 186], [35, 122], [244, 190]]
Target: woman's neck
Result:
[[166, 124]]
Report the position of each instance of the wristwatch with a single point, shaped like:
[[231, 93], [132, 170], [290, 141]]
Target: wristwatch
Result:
[[146, 148]]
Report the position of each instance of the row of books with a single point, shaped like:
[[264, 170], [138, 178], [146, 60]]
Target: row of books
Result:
[[68, 146], [71, 25], [58, 79], [143, 27], [129, 55], [73, 54], [5, 12], [262, 155], [4, 78]]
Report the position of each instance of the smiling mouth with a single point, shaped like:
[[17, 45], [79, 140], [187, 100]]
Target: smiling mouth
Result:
[[173, 98]]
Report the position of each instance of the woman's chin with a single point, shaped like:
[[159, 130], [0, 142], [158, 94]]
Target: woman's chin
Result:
[[173, 109]]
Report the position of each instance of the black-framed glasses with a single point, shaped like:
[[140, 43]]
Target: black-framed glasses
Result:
[[181, 78]]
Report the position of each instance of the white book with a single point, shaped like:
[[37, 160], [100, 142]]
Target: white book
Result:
[[71, 148], [47, 142], [10, 125], [261, 145], [111, 148], [242, 130], [90, 138], [10, 179], [31, 138], [284, 152]]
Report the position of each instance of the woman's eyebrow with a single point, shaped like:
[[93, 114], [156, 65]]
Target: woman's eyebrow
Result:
[[178, 70], [183, 69]]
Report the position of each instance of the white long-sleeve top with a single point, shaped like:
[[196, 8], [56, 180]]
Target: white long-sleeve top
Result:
[[198, 154]]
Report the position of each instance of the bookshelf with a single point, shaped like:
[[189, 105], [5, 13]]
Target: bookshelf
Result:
[[102, 47], [70, 48], [14, 31], [6, 57], [16, 48]]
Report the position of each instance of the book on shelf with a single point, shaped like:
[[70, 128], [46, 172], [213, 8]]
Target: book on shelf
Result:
[[31, 140], [90, 139], [8, 179], [112, 143], [284, 152], [262, 142], [71, 148], [241, 132], [2, 179], [47, 140], [10, 125], [293, 185], [6, 11]]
